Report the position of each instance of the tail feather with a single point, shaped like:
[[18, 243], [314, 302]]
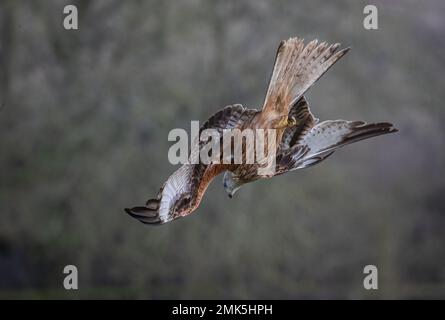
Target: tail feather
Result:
[[297, 68]]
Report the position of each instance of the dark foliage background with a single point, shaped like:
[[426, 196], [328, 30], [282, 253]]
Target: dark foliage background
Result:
[[84, 119]]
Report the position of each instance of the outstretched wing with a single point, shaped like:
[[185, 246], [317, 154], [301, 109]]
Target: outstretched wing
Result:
[[182, 192], [324, 138], [297, 67]]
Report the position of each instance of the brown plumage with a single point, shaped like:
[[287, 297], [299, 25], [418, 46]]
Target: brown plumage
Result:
[[300, 140]]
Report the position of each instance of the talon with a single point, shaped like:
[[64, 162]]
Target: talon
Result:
[[286, 122], [283, 123], [291, 121]]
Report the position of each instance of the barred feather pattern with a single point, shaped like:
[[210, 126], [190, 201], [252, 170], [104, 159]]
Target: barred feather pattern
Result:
[[297, 67], [326, 137]]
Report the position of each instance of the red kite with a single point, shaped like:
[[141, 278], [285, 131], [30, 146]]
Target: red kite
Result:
[[301, 141]]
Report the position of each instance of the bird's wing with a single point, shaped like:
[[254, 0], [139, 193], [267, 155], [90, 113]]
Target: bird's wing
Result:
[[182, 192], [297, 67], [230, 117], [305, 121], [324, 138]]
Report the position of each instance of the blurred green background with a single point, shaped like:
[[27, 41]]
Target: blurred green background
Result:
[[84, 120]]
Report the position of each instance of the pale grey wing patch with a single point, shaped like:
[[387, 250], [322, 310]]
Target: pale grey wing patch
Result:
[[333, 134], [325, 135], [323, 139]]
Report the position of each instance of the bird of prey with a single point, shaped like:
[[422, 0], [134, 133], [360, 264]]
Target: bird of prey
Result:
[[301, 140]]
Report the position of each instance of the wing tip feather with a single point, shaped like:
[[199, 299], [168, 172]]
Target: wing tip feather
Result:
[[144, 215]]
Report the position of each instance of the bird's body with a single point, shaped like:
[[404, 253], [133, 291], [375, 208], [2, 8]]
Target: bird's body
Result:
[[299, 140]]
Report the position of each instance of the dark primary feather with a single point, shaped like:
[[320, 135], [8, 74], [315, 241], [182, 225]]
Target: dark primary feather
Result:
[[144, 215]]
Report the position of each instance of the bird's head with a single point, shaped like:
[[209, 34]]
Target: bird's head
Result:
[[231, 183]]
